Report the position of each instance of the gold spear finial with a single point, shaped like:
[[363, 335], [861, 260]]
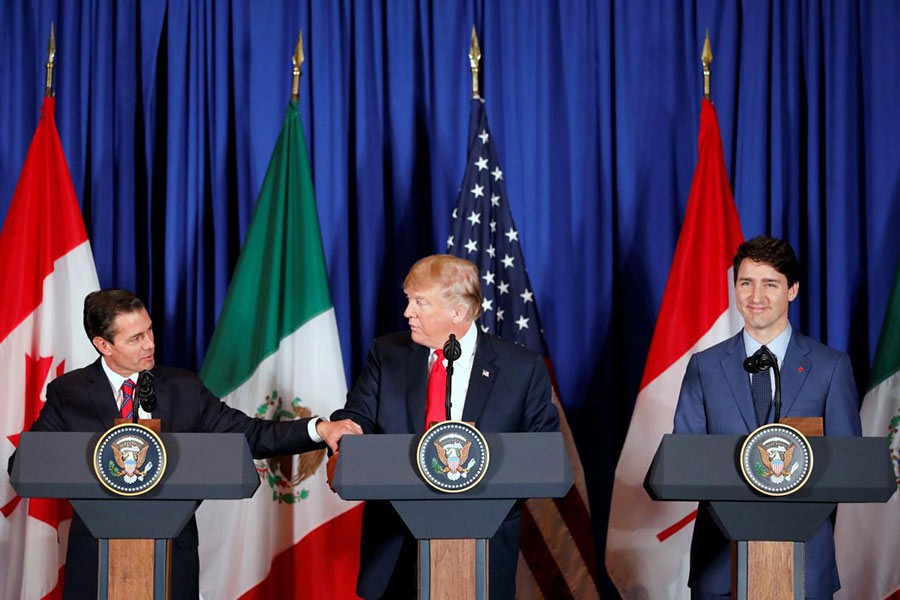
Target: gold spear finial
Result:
[[706, 58], [297, 59], [474, 59], [51, 55]]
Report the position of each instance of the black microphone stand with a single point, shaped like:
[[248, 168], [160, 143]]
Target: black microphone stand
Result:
[[452, 351]]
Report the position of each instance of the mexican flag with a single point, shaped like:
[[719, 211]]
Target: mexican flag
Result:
[[46, 270], [867, 536], [275, 355], [648, 543]]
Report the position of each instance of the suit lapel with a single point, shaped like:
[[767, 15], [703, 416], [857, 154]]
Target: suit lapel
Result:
[[416, 385], [738, 380], [797, 365], [101, 395], [163, 410], [484, 373]]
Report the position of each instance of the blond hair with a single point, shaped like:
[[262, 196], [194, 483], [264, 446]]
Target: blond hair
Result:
[[454, 277]]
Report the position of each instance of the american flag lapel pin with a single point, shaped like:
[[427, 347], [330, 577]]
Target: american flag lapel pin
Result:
[[485, 373]]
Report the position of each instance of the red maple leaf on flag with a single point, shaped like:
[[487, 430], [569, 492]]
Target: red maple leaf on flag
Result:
[[50, 511]]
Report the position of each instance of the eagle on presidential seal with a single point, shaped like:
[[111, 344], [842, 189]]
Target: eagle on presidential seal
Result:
[[453, 456], [777, 460], [130, 453]]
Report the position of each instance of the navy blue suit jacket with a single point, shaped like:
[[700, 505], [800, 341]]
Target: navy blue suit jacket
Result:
[[82, 400], [509, 391], [816, 381]]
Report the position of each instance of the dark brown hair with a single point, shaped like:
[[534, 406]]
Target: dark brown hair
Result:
[[774, 252], [101, 309]]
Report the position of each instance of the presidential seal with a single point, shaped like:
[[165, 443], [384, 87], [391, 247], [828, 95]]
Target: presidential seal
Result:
[[452, 456], [129, 459], [776, 460]]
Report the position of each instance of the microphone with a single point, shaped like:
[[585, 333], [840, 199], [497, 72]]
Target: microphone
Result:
[[763, 360], [452, 351], [146, 392]]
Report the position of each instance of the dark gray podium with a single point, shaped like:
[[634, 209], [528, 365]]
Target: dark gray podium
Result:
[[705, 468], [200, 466], [383, 467]]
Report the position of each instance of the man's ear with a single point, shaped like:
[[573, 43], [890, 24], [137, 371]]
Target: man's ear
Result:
[[459, 312], [102, 345], [793, 291]]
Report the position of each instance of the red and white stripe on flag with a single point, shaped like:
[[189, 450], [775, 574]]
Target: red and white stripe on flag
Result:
[[46, 269], [648, 542]]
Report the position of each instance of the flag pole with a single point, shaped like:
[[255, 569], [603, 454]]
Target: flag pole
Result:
[[474, 59], [51, 55], [297, 60], [706, 58]]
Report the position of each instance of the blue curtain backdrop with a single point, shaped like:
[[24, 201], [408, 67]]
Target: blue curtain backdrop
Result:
[[168, 112]]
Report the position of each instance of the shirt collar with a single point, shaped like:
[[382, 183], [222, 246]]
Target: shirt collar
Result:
[[116, 380], [466, 343], [778, 346]]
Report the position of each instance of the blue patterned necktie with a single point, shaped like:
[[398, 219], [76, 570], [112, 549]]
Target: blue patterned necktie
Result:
[[761, 388]]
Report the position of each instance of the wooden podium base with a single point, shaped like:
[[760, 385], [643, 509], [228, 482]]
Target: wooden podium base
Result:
[[135, 569], [453, 569], [766, 570]]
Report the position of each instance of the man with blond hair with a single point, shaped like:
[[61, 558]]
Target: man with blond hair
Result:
[[499, 386]]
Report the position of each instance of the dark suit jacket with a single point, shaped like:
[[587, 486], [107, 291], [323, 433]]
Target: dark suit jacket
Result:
[[509, 390], [82, 400], [816, 381]]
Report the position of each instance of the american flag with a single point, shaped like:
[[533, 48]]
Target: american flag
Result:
[[484, 232], [557, 557]]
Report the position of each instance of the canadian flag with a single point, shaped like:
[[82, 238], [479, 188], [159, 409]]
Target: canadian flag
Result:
[[648, 542], [46, 270]]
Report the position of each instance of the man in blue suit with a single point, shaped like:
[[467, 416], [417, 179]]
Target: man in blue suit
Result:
[[716, 399], [499, 386]]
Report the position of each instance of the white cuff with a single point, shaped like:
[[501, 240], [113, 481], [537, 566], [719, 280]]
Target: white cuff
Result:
[[311, 427]]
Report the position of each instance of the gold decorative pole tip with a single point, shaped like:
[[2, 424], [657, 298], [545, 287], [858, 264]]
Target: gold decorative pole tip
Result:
[[297, 60], [706, 58], [474, 59], [707, 55], [51, 57]]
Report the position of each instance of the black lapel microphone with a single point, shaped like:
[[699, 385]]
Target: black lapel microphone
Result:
[[763, 360]]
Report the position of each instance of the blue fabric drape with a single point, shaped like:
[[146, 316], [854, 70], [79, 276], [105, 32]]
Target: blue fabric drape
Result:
[[168, 112]]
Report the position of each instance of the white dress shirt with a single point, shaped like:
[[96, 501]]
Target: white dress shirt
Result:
[[778, 346], [116, 381], [462, 371]]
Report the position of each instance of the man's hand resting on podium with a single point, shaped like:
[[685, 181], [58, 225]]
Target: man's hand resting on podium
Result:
[[333, 431]]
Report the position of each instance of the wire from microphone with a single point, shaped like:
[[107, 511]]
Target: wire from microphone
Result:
[[145, 392]]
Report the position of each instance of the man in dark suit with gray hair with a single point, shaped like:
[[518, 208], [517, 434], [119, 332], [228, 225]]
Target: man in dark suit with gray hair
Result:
[[499, 386]]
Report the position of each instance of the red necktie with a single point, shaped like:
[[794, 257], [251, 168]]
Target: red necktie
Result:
[[437, 391], [127, 410]]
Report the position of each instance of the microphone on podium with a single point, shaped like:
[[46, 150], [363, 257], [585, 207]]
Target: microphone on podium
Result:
[[452, 351], [763, 360], [145, 393]]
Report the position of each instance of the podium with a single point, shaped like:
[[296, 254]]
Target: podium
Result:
[[200, 466], [383, 467], [846, 469]]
